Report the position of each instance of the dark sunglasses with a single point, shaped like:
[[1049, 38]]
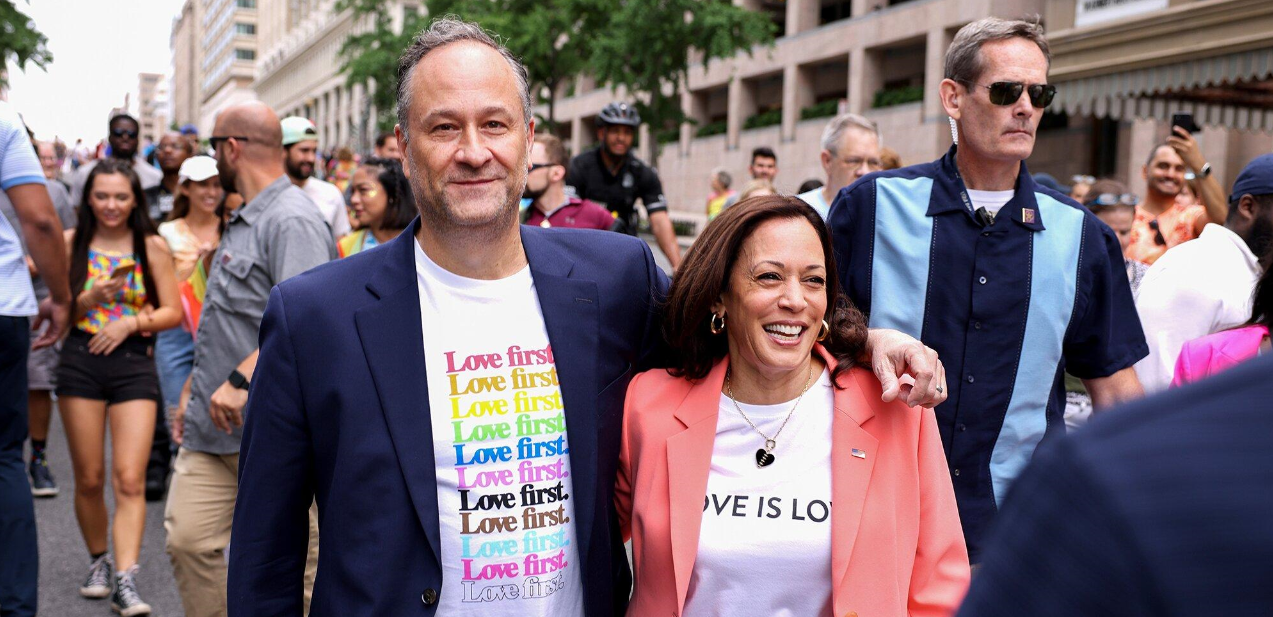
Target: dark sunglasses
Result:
[[1112, 199], [534, 166], [123, 133], [1009, 92], [217, 141], [1158, 237]]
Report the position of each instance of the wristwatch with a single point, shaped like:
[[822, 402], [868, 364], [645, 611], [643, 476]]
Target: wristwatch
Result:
[[1205, 171], [237, 380]]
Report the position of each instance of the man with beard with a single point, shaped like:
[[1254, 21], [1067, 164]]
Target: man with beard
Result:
[[300, 146], [457, 392], [123, 142], [276, 234], [1012, 283], [172, 151], [546, 188], [1206, 286], [1162, 221], [611, 176]]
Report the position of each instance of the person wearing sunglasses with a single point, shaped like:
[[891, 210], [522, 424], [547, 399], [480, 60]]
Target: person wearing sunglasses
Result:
[[1011, 282], [1163, 220], [123, 137], [550, 206]]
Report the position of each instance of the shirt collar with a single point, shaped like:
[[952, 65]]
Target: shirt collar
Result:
[[948, 189], [252, 210]]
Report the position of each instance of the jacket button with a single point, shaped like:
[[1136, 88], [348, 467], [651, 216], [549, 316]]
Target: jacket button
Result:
[[429, 597]]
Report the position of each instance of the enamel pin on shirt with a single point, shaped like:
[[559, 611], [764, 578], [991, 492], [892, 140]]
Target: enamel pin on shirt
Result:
[[1027, 215], [859, 453]]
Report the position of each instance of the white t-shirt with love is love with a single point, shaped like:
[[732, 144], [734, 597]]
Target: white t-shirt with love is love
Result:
[[500, 448], [764, 547]]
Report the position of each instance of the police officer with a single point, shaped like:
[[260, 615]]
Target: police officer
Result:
[[611, 176]]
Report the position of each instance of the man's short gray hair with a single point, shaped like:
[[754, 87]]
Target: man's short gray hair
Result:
[[834, 133], [444, 31], [963, 59]]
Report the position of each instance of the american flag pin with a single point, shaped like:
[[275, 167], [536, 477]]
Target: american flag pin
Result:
[[859, 453], [1027, 215]]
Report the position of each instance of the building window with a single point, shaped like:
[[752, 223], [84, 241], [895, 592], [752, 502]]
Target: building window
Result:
[[245, 28], [244, 54], [246, 4]]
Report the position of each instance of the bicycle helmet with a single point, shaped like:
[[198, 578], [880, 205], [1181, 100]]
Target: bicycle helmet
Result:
[[619, 113]]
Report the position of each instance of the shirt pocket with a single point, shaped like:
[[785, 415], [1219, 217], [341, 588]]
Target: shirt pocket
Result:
[[245, 286]]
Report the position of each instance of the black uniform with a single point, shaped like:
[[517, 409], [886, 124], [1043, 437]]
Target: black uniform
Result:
[[617, 192]]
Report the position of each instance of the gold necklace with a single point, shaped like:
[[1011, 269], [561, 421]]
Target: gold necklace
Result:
[[765, 456]]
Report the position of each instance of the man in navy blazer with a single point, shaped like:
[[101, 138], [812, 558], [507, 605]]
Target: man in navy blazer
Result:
[[453, 398], [1164, 507]]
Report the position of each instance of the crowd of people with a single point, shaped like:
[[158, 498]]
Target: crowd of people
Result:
[[408, 362]]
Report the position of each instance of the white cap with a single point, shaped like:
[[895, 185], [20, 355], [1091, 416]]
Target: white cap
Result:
[[197, 168]]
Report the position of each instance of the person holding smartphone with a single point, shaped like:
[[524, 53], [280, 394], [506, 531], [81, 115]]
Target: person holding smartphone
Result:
[[1161, 221], [125, 287]]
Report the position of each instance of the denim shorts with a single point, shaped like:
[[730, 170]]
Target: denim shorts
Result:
[[126, 374]]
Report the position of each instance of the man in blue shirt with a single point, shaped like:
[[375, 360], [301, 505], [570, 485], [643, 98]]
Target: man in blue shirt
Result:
[[1011, 283]]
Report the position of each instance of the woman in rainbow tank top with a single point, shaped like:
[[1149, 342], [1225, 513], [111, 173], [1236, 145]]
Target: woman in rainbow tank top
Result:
[[381, 199], [125, 290]]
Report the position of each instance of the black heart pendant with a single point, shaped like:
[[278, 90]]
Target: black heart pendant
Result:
[[763, 458]]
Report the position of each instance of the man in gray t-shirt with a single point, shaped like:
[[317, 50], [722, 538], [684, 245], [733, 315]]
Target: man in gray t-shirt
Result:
[[277, 233]]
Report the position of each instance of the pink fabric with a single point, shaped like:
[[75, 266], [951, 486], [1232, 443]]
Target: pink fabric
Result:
[[1211, 354]]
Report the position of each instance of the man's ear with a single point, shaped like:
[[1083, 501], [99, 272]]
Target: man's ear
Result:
[[952, 95]]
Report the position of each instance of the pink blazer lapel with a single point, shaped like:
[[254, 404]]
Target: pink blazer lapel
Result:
[[1242, 344], [689, 462], [853, 455]]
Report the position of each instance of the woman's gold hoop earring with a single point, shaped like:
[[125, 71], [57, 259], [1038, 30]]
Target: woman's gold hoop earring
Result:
[[717, 324], [825, 332]]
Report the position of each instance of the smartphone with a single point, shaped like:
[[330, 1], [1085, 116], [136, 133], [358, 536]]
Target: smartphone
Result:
[[123, 269], [1185, 121]]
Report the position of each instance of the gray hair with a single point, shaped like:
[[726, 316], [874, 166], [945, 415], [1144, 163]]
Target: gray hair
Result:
[[722, 176], [444, 31], [963, 59], [834, 133]]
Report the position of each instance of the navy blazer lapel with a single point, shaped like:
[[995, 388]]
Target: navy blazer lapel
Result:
[[393, 342], [570, 308]]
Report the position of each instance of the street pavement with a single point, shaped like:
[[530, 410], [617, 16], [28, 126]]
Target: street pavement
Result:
[[64, 560]]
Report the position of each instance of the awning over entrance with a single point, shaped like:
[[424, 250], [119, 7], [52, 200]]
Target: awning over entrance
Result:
[[1234, 90]]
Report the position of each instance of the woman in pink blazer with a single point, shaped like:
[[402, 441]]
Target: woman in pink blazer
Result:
[[1211, 354], [845, 507]]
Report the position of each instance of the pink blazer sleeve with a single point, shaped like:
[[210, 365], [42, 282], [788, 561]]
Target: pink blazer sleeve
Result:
[[941, 573], [623, 479]]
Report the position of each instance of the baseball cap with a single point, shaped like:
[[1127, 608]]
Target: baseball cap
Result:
[[197, 168], [189, 129], [296, 128], [1256, 178]]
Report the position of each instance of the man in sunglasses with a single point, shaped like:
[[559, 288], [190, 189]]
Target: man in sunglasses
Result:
[[1012, 283], [550, 206], [123, 140]]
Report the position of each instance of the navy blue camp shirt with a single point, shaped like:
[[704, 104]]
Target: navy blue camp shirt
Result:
[[1009, 307]]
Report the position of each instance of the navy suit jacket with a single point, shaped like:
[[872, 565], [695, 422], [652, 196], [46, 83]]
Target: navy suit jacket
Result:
[[1161, 508], [339, 411]]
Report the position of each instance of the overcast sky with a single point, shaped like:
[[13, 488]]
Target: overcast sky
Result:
[[99, 47]]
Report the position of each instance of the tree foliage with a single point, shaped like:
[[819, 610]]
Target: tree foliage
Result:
[[642, 45], [652, 60], [371, 56], [20, 42]]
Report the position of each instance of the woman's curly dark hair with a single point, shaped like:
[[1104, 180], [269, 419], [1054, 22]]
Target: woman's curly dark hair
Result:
[[704, 276]]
